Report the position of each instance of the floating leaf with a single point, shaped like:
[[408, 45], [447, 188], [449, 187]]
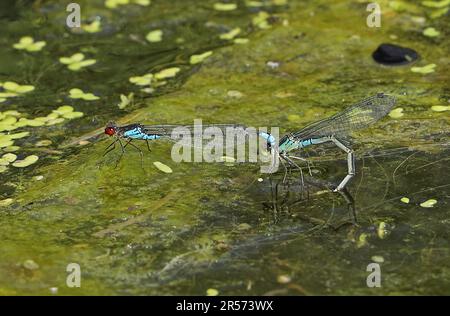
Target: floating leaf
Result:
[[43, 143], [195, 59], [115, 3], [94, 27], [405, 200], [13, 89], [241, 40], [55, 121], [154, 36], [29, 160], [428, 203], [440, 108], [382, 230], [11, 148], [254, 4], [19, 135], [27, 43], [212, 292], [283, 279], [431, 32], [378, 259], [261, 20], [3, 168], [142, 80], [9, 157], [396, 113], [76, 61], [164, 168], [231, 34], [142, 2], [5, 141], [72, 115], [425, 69], [63, 109], [125, 100], [76, 93], [167, 73], [225, 6]]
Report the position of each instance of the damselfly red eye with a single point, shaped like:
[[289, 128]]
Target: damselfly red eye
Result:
[[110, 131]]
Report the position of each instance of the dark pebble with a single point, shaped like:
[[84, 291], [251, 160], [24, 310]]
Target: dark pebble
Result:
[[393, 55]]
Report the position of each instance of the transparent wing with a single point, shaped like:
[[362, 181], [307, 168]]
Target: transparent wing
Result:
[[357, 116], [200, 135]]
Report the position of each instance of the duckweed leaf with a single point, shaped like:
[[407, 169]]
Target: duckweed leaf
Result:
[[162, 167], [62, 110], [440, 108], [78, 65], [76, 61], [93, 27], [125, 100], [15, 88], [425, 69], [72, 115], [76, 93], [9, 157], [261, 20], [29, 160], [428, 203], [144, 80], [396, 113], [212, 292], [225, 6], [3, 168], [154, 36], [431, 32], [195, 59], [112, 4], [241, 40], [27, 43], [231, 34], [19, 135], [167, 73], [404, 200], [43, 143]]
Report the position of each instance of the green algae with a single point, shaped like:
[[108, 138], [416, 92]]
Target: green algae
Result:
[[140, 231]]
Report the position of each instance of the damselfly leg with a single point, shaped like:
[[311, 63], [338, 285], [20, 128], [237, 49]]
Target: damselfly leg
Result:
[[109, 149]]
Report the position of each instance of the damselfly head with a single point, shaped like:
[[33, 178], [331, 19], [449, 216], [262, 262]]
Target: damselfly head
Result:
[[110, 129]]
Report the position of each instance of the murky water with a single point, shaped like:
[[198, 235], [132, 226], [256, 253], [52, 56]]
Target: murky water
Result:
[[215, 226]]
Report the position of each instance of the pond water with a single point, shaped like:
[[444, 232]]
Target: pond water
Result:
[[220, 227]]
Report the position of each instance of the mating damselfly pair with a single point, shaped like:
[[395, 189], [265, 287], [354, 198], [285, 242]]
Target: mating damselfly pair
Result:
[[333, 129]]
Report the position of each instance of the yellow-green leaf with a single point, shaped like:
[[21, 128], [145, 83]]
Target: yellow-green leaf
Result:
[[29, 160], [440, 108], [167, 73], [195, 59], [425, 69], [431, 32], [162, 167], [225, 6], [396, 113], [428, 203], [154, 36], [231, 34]]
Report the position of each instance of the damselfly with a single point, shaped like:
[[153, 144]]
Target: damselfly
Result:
[[334, 129], [124, 135]]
